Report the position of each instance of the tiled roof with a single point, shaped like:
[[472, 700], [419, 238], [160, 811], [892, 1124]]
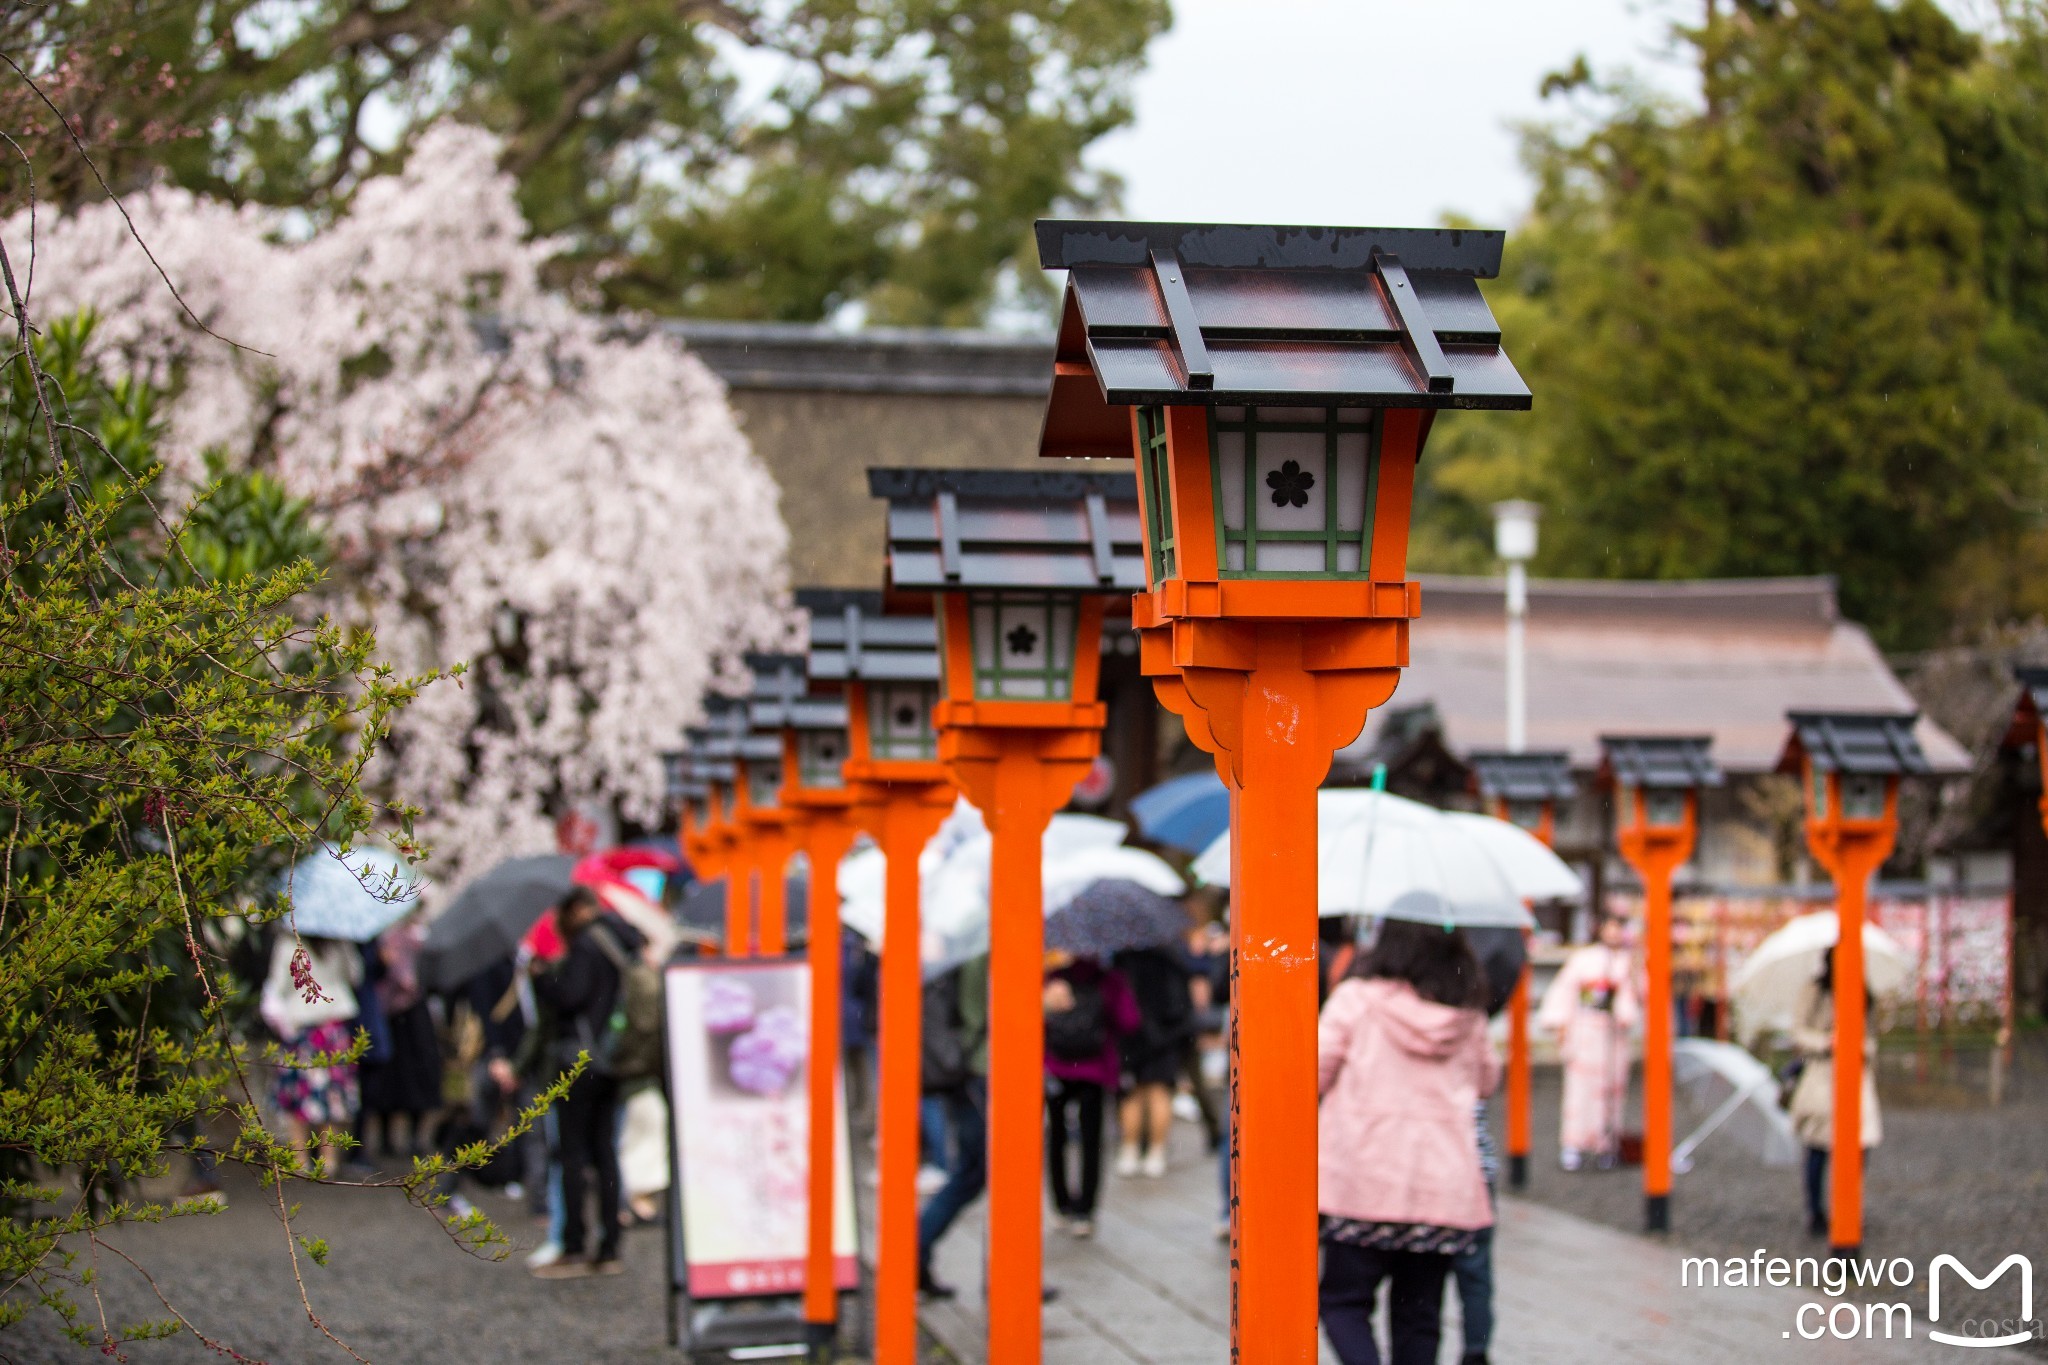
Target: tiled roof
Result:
[[779, 697], [1723, 658]]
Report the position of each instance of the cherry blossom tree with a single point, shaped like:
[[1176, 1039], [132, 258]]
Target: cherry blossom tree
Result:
[[561, 502]]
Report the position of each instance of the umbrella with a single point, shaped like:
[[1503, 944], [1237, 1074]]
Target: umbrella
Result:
[[355, 895], [1111, 915], [1741, 1096], [1186, 812], [702, 909], [1070, 874], [1768, 984], [490, 917], [1377, 852]]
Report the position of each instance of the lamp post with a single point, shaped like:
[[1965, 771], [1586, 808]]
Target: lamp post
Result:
[[1514, 541], [813, 731], [1019, 563], [1656, 781], [888, 666], [1276, 386], [1849, 765], [723, 742], [1524, 789]]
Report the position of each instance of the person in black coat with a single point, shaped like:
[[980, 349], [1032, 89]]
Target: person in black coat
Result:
[[1153, 1056], [582, 991]]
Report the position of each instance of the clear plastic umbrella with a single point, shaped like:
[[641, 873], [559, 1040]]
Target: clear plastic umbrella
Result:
[[1739, 1097], [354, 896], [1385, 855], [1768, 984]]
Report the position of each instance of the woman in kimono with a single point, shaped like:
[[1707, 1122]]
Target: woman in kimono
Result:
[[1591, 1006]]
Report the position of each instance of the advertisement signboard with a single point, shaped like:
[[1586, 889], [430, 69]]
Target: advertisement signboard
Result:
[[738, 1054]]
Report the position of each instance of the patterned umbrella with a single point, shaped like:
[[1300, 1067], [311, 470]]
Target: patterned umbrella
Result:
[[355, 897], [1113, 915]]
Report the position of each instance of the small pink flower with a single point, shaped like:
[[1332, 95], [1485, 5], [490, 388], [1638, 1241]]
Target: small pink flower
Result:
[[302, 977]]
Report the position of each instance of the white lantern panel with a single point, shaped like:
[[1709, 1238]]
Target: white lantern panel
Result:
[[819, 754], [900, 723], [1230, 478], [1291, 556], [1353, 457], [1348, 557], [1664, 808], [1292, 487], [1862, 796]]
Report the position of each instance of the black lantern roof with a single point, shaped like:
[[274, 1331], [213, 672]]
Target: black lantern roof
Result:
[[1658, 762], [1236, 314], [1855, 742], [1545, 775], [851, 638], [1012, 528], [779, 699]]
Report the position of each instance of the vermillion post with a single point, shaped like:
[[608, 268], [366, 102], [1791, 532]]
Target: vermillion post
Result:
[[773, 846], [1845, 1175], [827, 835], [903, 824], [1657, 876], [1518, 1099]]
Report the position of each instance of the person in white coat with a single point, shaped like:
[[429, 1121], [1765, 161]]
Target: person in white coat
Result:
[[1813, 1095]]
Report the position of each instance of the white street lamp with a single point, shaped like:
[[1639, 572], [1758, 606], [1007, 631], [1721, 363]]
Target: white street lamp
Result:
[[1514, 540]]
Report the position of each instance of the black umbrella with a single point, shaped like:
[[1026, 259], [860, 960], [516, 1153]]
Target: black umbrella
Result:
[[703, 906], [1113, 915], [1502, 953], [491, 916]]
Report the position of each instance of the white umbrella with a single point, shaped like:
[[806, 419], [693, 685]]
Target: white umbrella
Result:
[[1768, 985], [954, 873], [1741, 1096], [356, 896], [1379, 855]]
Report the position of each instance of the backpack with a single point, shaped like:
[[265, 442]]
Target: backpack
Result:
[[1082, 1032], [630, 1046], [948, 1049]]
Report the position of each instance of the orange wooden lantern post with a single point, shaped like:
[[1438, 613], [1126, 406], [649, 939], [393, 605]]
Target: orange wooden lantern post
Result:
[[714, 748], [1850, 764], [889, 668], [1524, 789], [1276, 386], [813, 731], [1020, 562], [1656, 780]]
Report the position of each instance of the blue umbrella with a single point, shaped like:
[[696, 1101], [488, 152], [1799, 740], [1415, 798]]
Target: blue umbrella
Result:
[[1185, 812], [354, 897]]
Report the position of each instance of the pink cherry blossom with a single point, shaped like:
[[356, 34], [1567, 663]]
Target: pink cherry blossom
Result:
[[482, 455]]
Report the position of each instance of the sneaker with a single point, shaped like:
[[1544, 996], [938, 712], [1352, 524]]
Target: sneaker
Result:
[[930, 1179], [1186, 1109], [459, 1207], [563, 1268], [608, 1265], [515, 1190], [206, 1194], [1127, 1159], [547, 1253], [1154, 1164], [1569, 1159], [1080, 1227]]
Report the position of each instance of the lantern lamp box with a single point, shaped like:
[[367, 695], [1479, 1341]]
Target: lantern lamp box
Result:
[[891, 661], [1864, 753], [737, 1054], [1523, 787]]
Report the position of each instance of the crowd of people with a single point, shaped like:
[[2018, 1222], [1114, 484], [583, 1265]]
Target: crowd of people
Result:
[[438, 1073]]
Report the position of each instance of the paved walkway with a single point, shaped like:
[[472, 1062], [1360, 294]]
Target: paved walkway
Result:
[[1152, 1288]]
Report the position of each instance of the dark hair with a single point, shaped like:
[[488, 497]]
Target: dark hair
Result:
[[579, 898], [1437, 961], [1826, 979]]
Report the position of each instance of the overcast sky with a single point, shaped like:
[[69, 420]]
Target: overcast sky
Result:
[[1379, 112]]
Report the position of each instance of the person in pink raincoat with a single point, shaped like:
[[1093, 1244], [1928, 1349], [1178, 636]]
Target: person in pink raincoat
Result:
[[1591, 1006]]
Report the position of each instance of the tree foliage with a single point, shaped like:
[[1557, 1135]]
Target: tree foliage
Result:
[[170, 735], [735, 158], [1797, 329]]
